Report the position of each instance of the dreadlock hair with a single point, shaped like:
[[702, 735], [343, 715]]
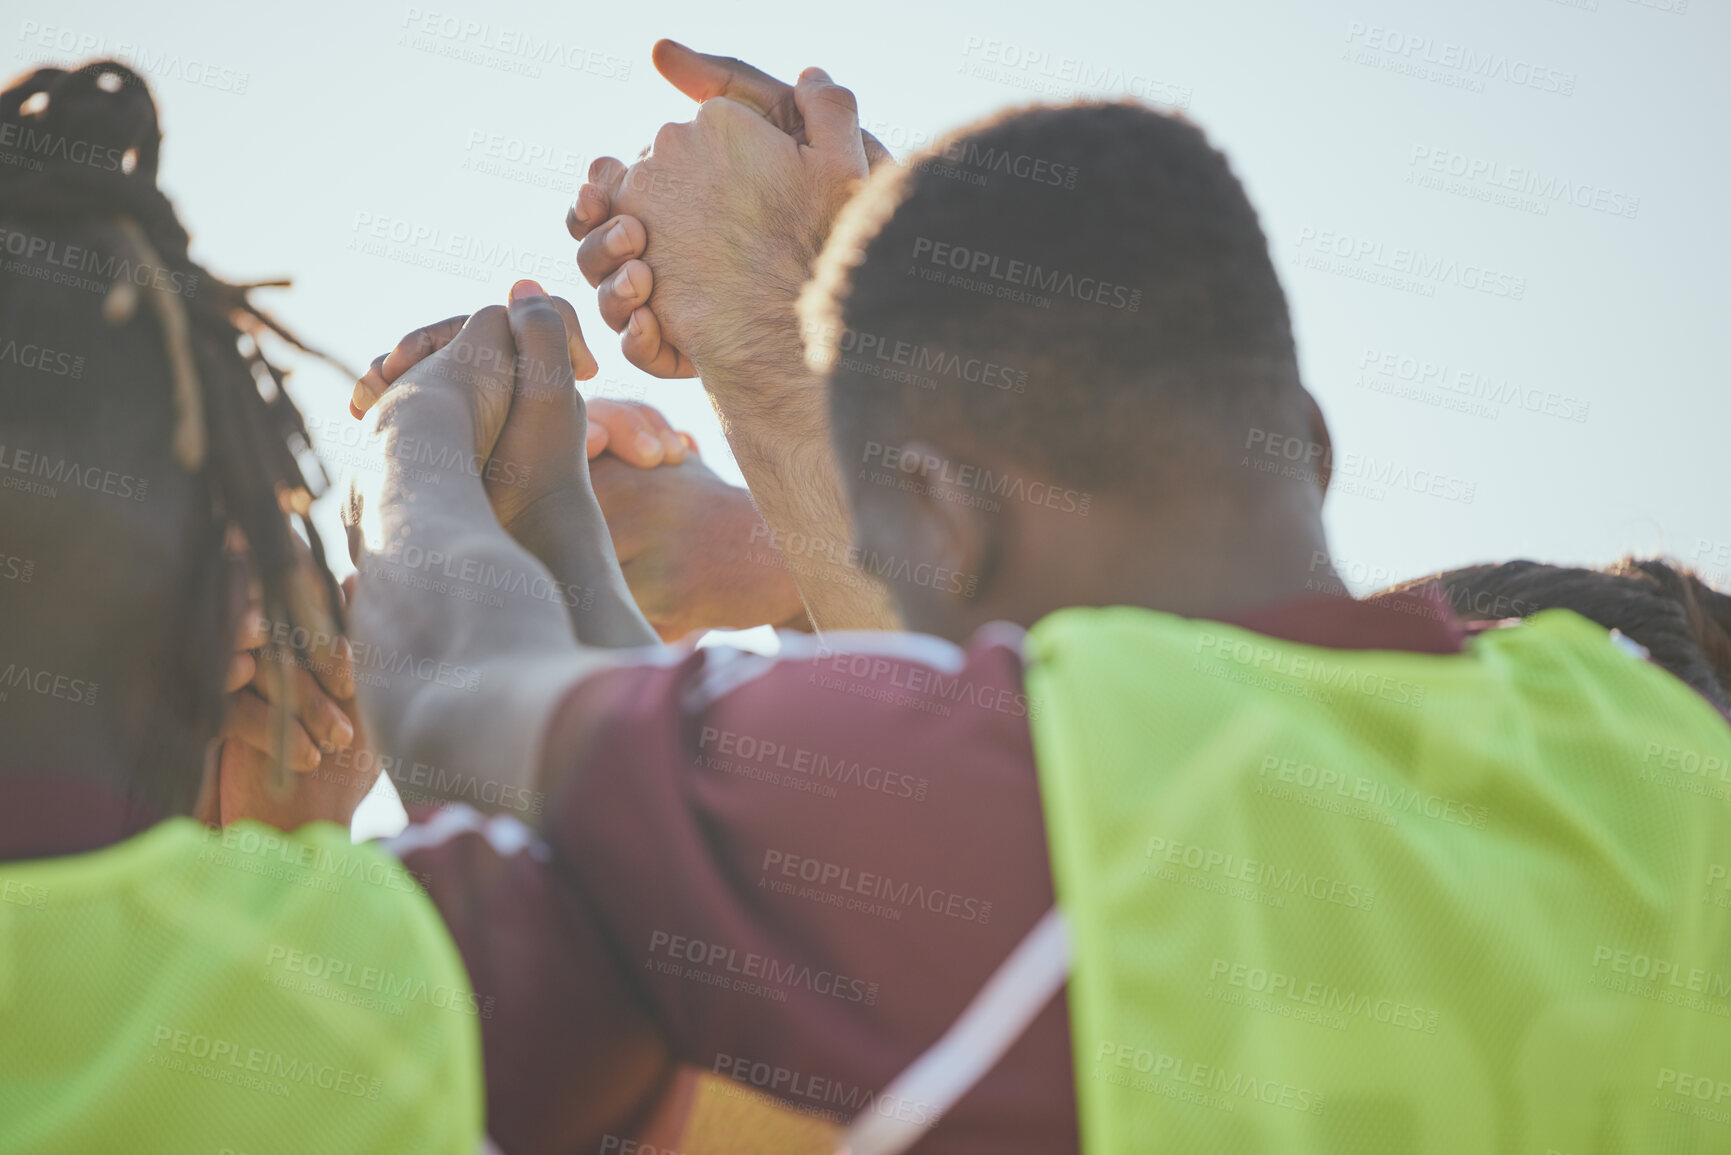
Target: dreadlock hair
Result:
[[1684, 623], [80, 173]]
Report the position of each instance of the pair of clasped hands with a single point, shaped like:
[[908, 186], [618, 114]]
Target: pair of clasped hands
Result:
[[740, 199]]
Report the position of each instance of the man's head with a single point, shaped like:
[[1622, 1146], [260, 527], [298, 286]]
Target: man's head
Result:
[[135, 434], [1054, 304]]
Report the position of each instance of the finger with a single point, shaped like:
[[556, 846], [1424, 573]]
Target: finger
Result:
[[596, 441], [624, 293], [703, 77], [411, 350], [248, 720], [420, 345], [368, 388], [831, 118], [644, 348], [254, 630], [875, 152], [607, 248], [594, 203], [241, 668], [637, 434], [672, 442], [630, 436], [480, 357], [544, 376], [583, 363], [317, 714], [328, 655], [334, 667]]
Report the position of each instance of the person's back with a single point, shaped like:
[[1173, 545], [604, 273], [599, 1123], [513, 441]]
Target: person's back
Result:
[[164, 986], [1385, 902], [240, 989]]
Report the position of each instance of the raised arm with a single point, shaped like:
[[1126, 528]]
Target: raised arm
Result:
[[731, 210], [464, 640]]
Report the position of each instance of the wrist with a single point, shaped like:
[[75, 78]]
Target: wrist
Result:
[[421, 407], [549, 524], [752, 345], [428, 436], [787, 446], [567, 533], [772, 405]]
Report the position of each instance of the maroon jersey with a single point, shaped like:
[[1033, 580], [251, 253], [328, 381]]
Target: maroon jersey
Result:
[[791, 872]]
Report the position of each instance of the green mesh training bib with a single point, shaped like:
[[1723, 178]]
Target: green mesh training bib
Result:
[[239, 991], [1370, 901]]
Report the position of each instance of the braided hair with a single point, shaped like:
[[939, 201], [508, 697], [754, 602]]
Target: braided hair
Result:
[[78, 160], [1684, 623]]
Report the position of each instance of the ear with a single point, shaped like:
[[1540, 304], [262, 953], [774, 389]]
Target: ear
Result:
[[953, 533], [1319, 436]]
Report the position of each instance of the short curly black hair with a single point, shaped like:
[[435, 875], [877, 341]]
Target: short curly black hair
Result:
[[1077, 286]]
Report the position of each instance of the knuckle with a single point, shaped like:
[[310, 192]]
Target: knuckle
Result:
[[640, 349], [592, 260], [603, 168], [634, 279], [842, 98], [722, 110], [539, 316]]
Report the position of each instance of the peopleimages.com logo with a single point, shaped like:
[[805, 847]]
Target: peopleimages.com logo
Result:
[[978, 267]]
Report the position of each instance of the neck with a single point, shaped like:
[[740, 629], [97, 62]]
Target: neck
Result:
[[1216, 557], [164, 769]]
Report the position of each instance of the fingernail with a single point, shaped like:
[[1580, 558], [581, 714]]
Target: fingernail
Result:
[[636, 329], [581, 210], [674, 447], [355, 412], [525, 289], [648, 446], [622, 285], [618, 240], [343, 733]]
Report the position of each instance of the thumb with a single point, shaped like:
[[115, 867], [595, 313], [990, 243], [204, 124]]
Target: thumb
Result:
[[544, 379], [703, 77], [831, 118]]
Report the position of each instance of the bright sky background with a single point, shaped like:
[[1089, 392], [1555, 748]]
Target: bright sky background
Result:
[[291, 129]]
